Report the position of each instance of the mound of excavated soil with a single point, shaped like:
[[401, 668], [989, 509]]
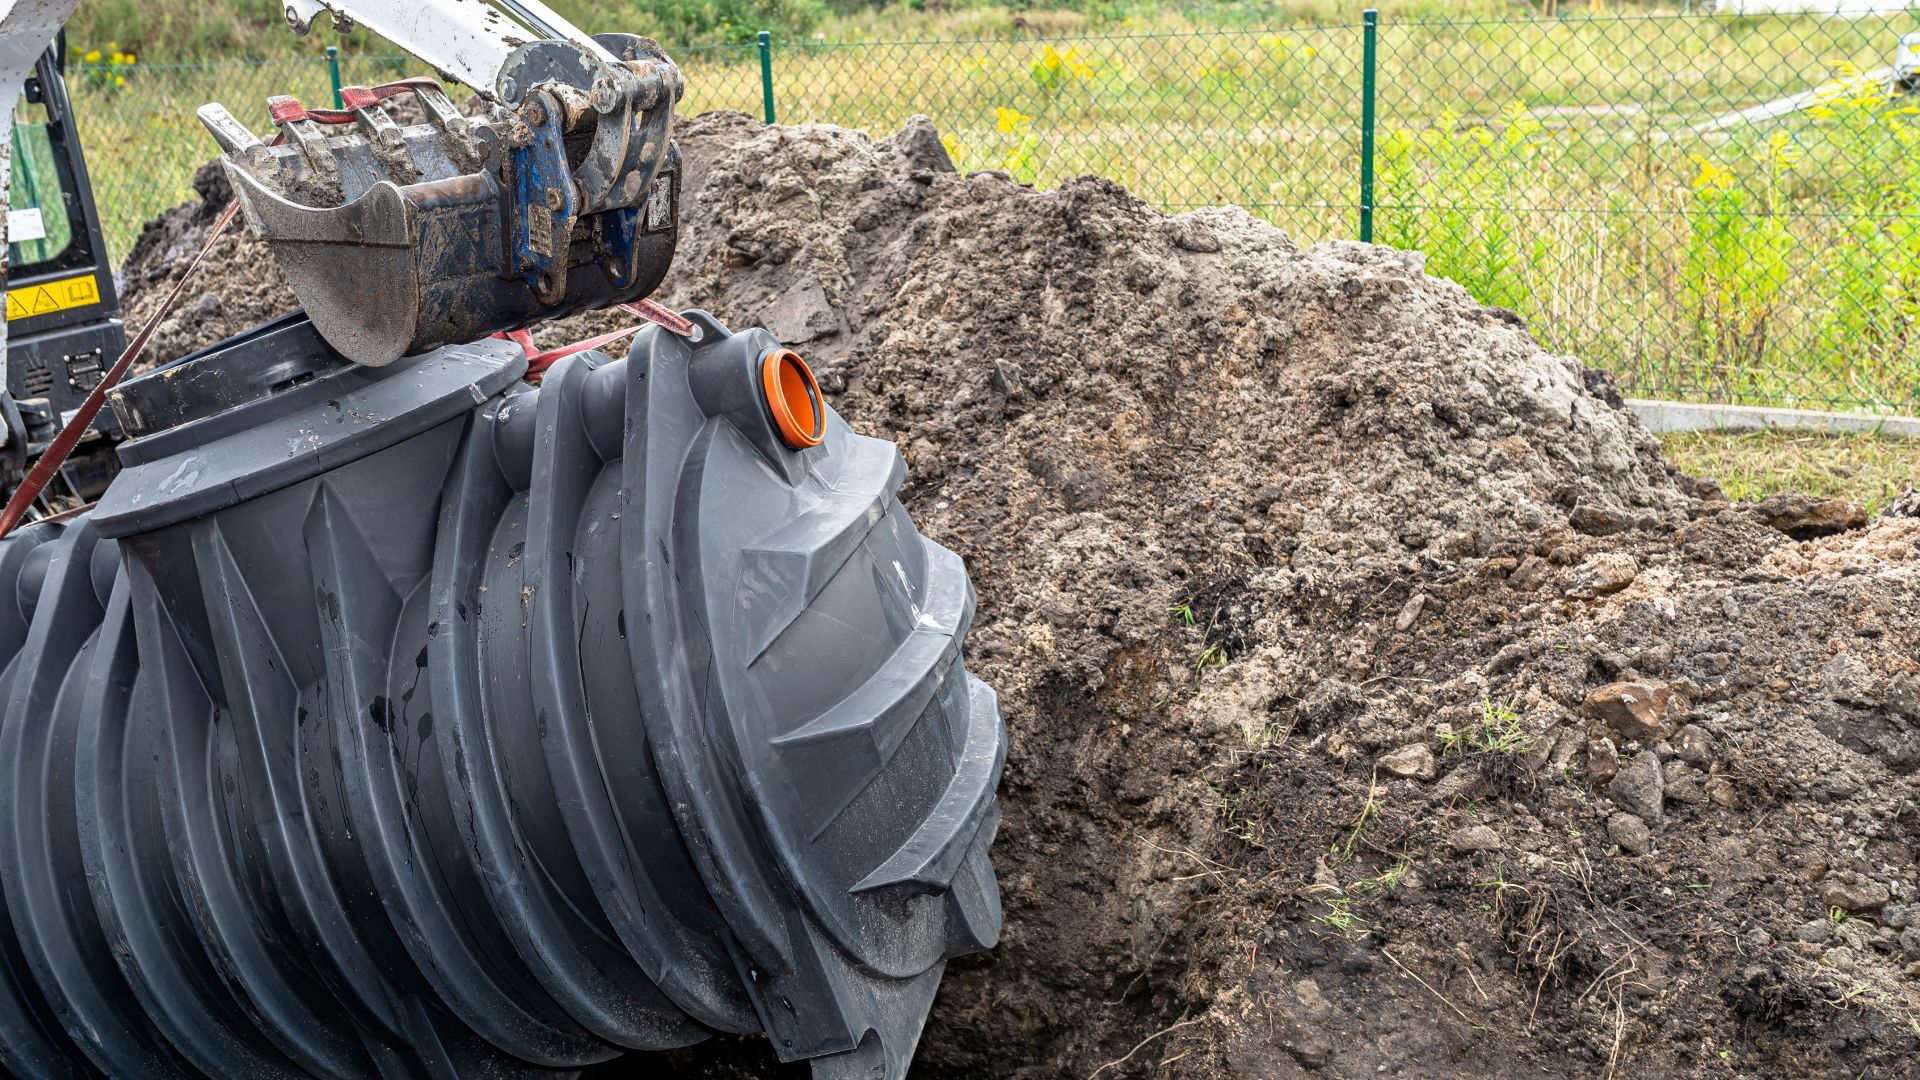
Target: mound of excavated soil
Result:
[[238, 286], [1380, 702]]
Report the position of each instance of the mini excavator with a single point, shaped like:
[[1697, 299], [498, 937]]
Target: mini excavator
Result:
[[413, 703]]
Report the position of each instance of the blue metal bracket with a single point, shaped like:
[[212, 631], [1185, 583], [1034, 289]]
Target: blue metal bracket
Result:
[[621, 229], [545, 203]]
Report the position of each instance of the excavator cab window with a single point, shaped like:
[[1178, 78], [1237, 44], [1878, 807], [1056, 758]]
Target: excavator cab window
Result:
[[39, 228], [44, 195], [63, 317]]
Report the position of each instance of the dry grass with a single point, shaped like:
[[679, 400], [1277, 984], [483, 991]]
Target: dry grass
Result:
[[1867, 469]]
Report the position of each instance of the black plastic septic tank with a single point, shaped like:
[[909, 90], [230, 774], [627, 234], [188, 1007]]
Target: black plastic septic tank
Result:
[[418, 721]]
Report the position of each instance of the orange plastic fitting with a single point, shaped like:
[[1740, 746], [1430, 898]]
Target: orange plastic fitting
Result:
[[799, 414]]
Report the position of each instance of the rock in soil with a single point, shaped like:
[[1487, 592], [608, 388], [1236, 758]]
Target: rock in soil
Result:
[[1630, 833], [1603, 761], [1608, 572], [1805, 517], [1472, 838], [1634, 712], [1415, 761], [1694, 746], [1640, 789], [1853, 894], [1116, 416]]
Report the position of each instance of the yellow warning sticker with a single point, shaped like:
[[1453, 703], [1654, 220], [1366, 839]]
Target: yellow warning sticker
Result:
[[48, 297]]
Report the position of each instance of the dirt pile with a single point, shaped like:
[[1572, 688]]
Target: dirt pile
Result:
[[238, 286], [1381, 703], [1310, 584]]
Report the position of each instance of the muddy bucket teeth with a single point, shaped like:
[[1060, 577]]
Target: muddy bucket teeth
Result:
[[399, 239], [414, 721]]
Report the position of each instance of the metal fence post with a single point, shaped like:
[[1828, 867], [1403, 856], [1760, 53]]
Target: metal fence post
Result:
[[1369, 49], [333, 74], [766, 75]]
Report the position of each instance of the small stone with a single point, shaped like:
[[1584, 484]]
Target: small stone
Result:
[[1805, 517], [1605, 573], [1694, 746], [1409, 612], [1598, 521], [1414, 761], [1536, 756], [1683, 783], [1848, 681], [1853, 896], [1610, 662], [1910, 941], [1903, 694], [1839, 958], [1473, 838], [1532, 572], [1898, 916], [1457, 784], [1655, 658], [1636, 712], [206, 306], [1509, 657], [1603, 761], [1571, 742], [1190, 235], [1639, 788], [1309, 1047], [1813, 931], [1325, 881], [1630, 833], [1722, 793]]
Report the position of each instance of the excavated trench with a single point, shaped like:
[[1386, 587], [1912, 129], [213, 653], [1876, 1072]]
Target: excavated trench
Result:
[[1380, 701]]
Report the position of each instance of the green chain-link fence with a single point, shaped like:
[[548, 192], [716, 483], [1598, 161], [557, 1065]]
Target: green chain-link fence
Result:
[[1712, 207]]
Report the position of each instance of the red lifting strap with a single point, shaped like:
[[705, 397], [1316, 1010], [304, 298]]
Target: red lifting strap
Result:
[[56, 454], [288, 110], [358, 97], [285, 110]]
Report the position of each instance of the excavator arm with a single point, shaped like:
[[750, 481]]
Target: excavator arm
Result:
[[555, 194]]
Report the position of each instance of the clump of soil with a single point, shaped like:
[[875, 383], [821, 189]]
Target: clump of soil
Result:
[[238, 286], [1380, 701]]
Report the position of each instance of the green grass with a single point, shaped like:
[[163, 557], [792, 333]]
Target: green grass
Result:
[[1546, 165], [176, 30], [1498, 730], [1868, 469]]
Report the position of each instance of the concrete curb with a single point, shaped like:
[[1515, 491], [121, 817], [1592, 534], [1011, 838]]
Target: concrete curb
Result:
[[1663, 417]]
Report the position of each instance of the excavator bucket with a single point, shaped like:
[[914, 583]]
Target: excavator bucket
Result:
[[415, 721], [401, 238]]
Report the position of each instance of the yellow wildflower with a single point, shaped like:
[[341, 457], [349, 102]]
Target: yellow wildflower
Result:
[[1782, 152], [1010, 121], [92, 57], [1069, 64], [1712, 176]]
